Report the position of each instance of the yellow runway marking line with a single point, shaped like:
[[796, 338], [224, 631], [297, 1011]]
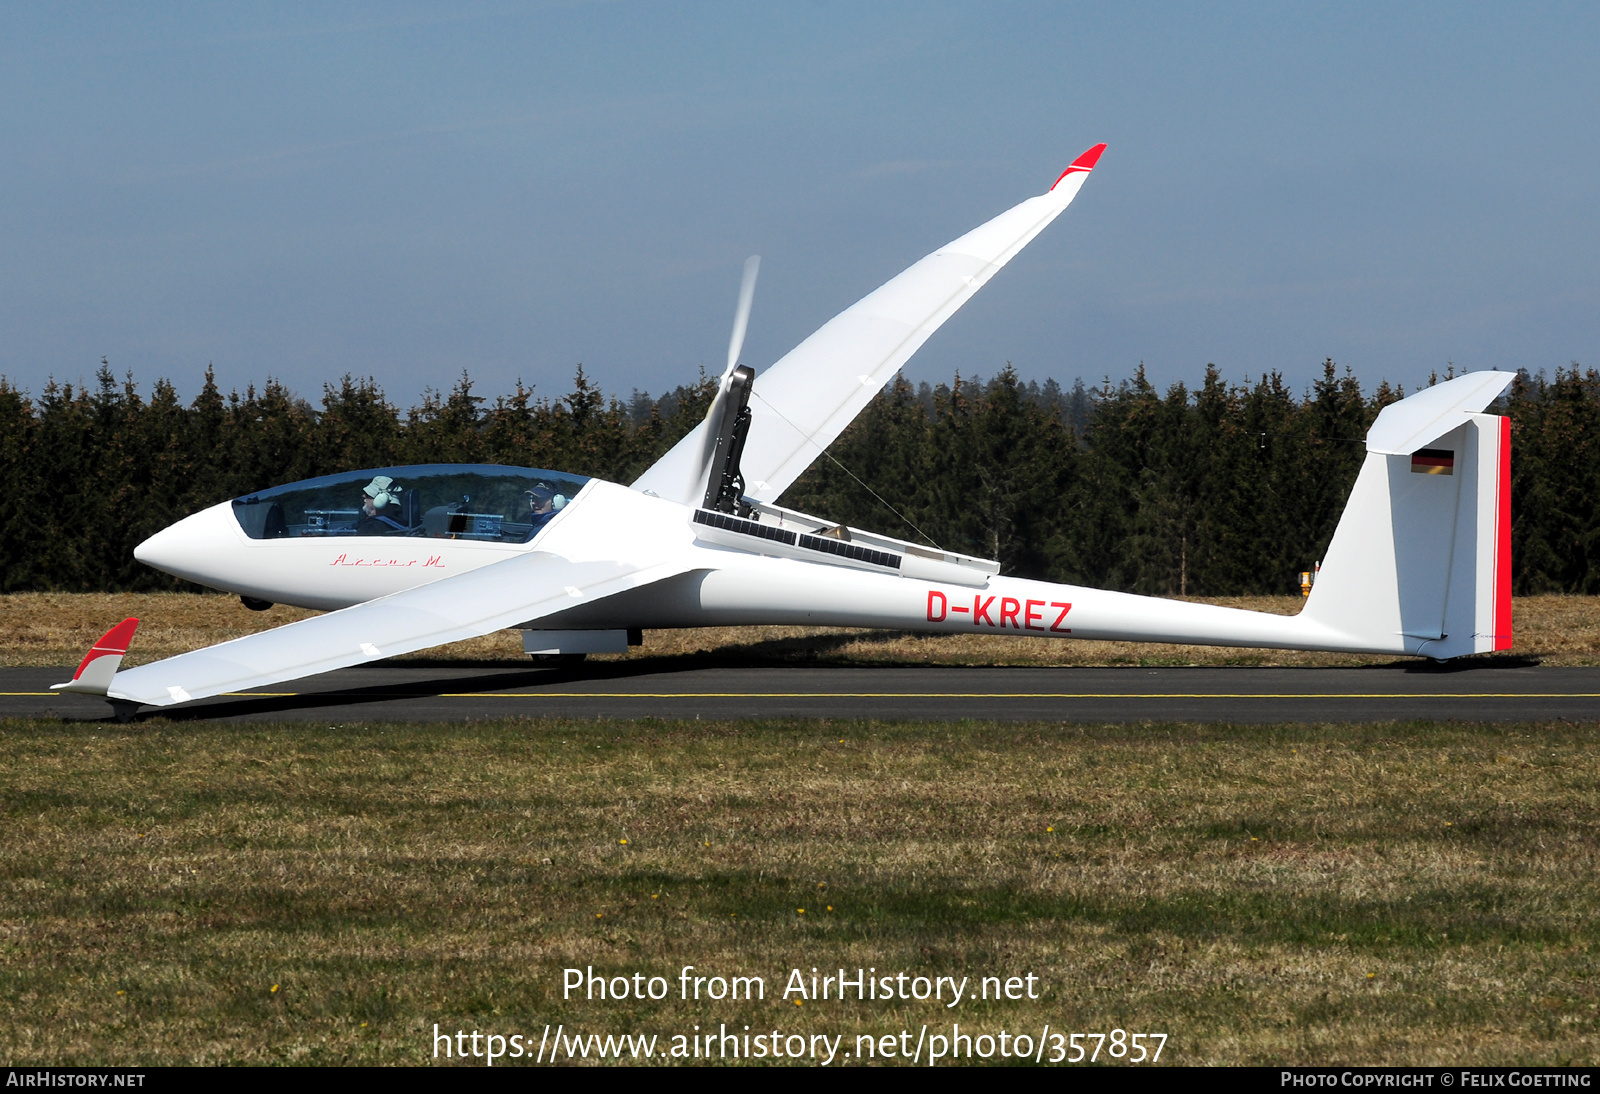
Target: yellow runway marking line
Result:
[[928, 694], [917, 694], [1008, 695]]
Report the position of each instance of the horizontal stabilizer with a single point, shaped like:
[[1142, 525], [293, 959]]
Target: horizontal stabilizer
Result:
[[100, 664], [1417, 420]]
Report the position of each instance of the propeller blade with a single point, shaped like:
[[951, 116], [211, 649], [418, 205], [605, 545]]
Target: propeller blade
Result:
[[741, 318]]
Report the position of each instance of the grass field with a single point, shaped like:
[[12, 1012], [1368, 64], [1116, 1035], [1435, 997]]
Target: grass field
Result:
[[1414, 893], [58, 628]]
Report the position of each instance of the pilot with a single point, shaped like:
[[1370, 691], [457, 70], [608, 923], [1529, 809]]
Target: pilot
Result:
[[543, 503], [380, 494]]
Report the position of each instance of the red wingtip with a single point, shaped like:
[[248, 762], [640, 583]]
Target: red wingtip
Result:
[[1084, 163], [1089, 158], [114, 642]]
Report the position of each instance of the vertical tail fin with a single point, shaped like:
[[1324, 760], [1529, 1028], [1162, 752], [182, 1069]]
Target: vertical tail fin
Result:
[[1421, 560], [100, 664]]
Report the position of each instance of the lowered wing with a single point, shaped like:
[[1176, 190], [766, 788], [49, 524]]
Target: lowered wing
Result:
[[805, 400], [488, 599]]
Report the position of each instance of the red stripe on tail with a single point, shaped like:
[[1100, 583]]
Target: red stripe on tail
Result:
[[1502, 552]]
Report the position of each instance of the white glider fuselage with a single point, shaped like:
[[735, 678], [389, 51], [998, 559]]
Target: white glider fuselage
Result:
[[722, 577]]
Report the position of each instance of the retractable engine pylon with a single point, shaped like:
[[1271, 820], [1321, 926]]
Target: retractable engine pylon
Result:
[[725, 486]]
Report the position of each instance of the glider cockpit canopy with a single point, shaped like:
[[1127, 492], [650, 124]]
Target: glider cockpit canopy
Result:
[[484, 502]]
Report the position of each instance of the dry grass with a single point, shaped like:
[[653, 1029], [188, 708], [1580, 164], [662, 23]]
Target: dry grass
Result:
[[1416, 894], [57, 628]]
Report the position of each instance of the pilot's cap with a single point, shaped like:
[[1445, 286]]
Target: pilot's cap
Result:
[[382, 491]]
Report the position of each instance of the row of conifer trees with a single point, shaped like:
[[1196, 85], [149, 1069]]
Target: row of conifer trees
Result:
[[1227, 489]]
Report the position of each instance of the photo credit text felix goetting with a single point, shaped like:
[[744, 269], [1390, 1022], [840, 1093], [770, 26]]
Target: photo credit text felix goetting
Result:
[[941, 1038]]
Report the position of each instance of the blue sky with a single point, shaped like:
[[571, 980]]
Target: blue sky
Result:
[[409, 191]]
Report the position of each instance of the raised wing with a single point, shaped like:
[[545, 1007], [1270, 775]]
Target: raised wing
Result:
[[803, 402], [491, 598]]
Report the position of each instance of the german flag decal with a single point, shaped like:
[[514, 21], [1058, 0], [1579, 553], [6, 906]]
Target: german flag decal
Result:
[[1433, 461]]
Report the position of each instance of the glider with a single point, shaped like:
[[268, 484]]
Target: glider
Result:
[[405, 558]]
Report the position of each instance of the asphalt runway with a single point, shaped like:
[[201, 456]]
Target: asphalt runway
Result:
[[443, 691]]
